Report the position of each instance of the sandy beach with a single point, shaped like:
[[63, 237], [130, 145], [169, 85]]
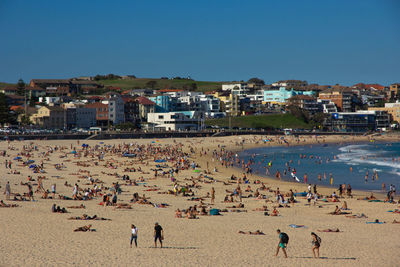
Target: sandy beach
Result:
[[32, 235]]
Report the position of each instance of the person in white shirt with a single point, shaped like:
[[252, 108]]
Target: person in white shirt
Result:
[[134, 234]]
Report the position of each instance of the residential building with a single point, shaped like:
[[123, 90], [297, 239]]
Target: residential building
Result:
[[131, 110], [30, 91], [327, 106], [343, 98], [49, 117], [281, 95], [236, 88], [305, 102], [116, 111], [80, 117], [290, 84], [394, 91], [64, 86], [173, 121], [145, 106], [392, 108], [101, 112], [163, 102], [360, 121]]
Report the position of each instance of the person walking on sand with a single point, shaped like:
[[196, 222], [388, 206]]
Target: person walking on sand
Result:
[[283, 241], [212, 195], [158, 234], [316, 243], [8, 191], [134, 234]]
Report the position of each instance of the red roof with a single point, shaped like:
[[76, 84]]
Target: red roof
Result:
[[15, 108], [144, 101], [368, 86], [169, 90]]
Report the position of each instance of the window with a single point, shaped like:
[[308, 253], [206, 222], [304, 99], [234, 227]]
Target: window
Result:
[[161, 117]]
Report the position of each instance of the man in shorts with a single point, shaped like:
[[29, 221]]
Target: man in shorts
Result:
[[158, 234], [283, 241]]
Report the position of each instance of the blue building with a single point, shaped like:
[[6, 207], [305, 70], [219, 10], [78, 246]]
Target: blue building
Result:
[[279, 96], [163, 103]]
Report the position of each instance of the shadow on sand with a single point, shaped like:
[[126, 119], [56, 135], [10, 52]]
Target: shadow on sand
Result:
[[176, 247], [325, 258]]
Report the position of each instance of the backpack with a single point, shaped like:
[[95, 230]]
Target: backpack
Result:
[[319, 239], [284, 238]]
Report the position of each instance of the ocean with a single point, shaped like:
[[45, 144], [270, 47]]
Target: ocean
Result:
[[364, 166]]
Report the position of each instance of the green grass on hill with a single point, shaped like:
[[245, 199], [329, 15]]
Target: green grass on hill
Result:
[[162, 84], [2, 85], [262, 121]]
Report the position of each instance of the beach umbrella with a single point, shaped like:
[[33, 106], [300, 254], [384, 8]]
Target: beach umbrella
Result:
[[101, 143], [17, 158]]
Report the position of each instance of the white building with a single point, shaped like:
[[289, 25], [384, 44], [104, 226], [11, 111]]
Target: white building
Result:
[[174, 121], [116, 112], [327, 105], [236, 88], [50, 99]]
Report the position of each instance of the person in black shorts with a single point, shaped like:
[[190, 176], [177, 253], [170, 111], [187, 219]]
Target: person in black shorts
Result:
[[158, 234]]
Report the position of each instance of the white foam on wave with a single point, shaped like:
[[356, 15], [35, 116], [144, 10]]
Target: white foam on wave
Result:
[[357, 154]]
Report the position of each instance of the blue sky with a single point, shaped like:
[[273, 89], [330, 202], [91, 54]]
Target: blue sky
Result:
[[326, 42]]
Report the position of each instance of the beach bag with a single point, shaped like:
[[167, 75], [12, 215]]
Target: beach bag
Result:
[[319, 239], [284, 238]]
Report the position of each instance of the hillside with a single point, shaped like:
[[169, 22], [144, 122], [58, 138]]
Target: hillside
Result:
[[2, 85], [262, 121], [162, 84]]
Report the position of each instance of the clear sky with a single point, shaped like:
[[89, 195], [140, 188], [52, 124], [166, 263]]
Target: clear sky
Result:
[[322, 41]]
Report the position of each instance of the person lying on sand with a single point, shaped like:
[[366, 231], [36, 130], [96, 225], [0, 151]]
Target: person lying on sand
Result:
[[77, 207], [85, 228], [258, 232], [362, 215], [58, 209], [4, 205], [238, 206], [87, 217], [371, 197], [394, 221], [264, 208], [123, 206], [330, 230]]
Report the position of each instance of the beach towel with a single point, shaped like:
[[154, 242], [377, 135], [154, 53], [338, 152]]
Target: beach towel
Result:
[[302, 194], [214, 212], [374, 222], [375, 200], [297, 226]]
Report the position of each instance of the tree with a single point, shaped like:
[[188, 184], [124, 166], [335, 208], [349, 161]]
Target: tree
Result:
[[193, 86], [21, 87], [256, 81], [4, 111], [151, 84]]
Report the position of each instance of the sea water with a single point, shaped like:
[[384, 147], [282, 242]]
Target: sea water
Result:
[[336, 161]]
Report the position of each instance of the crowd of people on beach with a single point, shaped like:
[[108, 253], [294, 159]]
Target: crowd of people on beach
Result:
[[132, 166]]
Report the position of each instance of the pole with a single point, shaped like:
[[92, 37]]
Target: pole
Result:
[[26, 107]]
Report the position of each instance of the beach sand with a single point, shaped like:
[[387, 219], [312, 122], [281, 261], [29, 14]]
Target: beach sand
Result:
[[31, 235]]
